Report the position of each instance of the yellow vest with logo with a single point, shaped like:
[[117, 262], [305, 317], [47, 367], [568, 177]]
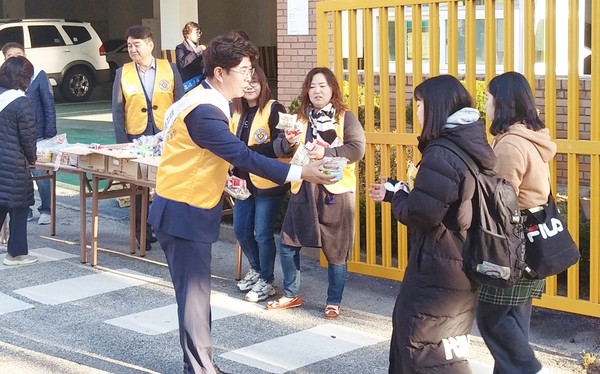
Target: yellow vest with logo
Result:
[[188, 173], [136, 106], [260, 133], [348, 181]]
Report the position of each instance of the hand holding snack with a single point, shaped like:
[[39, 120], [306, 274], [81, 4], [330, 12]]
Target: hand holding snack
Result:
[[236, 188], [334, 166], [316, 152], [292, 136], [312, 173]]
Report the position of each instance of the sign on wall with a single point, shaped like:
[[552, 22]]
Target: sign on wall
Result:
[[297, 17]]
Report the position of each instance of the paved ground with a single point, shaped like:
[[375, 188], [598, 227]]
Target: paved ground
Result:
[[62, 316]]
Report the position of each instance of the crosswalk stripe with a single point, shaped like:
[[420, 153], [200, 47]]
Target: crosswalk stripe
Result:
[[81, 287], [164, 319], [290, 352], [149, 322], [44, 254], [10, 304]]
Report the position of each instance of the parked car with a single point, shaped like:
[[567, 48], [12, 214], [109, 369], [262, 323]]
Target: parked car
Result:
[[116, 54], [70, 52]]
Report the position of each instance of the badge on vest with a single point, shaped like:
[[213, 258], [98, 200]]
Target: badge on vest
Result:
[[164, 85], [261, 136]]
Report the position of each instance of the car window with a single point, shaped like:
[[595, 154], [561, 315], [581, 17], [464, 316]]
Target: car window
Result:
[[45, 36], [11, 34], [77, 34]]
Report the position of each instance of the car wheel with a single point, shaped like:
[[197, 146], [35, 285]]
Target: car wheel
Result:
[[77, 84]]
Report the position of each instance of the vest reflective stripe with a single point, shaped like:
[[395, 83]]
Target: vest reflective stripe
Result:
[[136, 107], [259, 127], [348, 181], [188, 173]]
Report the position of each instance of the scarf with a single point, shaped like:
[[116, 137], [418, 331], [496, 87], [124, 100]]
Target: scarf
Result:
[[322, 123]]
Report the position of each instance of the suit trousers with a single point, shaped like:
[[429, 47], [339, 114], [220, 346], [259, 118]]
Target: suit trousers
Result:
[[189, 264]]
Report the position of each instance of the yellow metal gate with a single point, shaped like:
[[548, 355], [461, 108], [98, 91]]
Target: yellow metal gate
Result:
[[384, 48]]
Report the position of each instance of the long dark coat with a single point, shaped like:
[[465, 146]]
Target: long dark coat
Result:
[[435, 308], [17, 153]]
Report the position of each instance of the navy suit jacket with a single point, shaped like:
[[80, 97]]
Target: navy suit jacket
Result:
[[41, 97], [209, 129]]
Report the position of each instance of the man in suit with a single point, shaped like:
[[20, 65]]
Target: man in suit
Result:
[[186, 212], [41, 97], [189, 56], [142, 91]]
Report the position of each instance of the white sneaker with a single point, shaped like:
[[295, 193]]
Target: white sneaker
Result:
[[544, 370], [261, 291], [44, 219], [249, 280], [19, 260]]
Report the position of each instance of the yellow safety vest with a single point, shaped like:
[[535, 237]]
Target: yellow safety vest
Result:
[[348, 181], [136, 106], [188, 173], [260, 133]]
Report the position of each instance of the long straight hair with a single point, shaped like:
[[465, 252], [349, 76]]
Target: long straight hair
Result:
[[441, 96], [337, 99], [513, 102]]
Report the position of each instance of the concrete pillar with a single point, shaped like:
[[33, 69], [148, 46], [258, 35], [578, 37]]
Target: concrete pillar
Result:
[[13, 9], [174, 14]]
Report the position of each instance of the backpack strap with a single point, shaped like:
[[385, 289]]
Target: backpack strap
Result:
[[450, 145]]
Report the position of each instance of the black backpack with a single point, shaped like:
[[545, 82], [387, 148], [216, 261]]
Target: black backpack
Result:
[[494, 253]]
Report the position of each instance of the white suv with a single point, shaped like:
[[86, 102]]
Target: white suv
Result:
[[70, 52]]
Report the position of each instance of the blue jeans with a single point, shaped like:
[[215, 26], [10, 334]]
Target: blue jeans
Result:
[[253, 221], [290, 265], [43, 186]]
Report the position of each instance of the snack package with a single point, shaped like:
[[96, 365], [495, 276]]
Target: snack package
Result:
[[334, 166], [236, 188], [47, 147], [147, 145], [286, 121], [301, 157], [289, 121]]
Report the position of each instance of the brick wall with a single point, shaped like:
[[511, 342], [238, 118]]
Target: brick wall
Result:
[[296, 54]]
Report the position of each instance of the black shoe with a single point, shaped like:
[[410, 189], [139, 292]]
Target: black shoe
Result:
[[151, 237]]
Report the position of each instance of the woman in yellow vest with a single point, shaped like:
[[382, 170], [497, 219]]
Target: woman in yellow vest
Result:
[[322, 216], [254, 120]]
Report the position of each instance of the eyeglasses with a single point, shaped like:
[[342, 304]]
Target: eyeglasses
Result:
[[254, 84], [245, 72]]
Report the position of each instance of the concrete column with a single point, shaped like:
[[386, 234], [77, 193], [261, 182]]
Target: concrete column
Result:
[[174, 14], [13, 9]]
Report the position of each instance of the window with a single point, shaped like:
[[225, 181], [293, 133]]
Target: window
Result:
[[11, 34], [77, 34], [45, 36]]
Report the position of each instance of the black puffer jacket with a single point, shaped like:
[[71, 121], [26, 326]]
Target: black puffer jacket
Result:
[[17, 152], [435, 308]]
